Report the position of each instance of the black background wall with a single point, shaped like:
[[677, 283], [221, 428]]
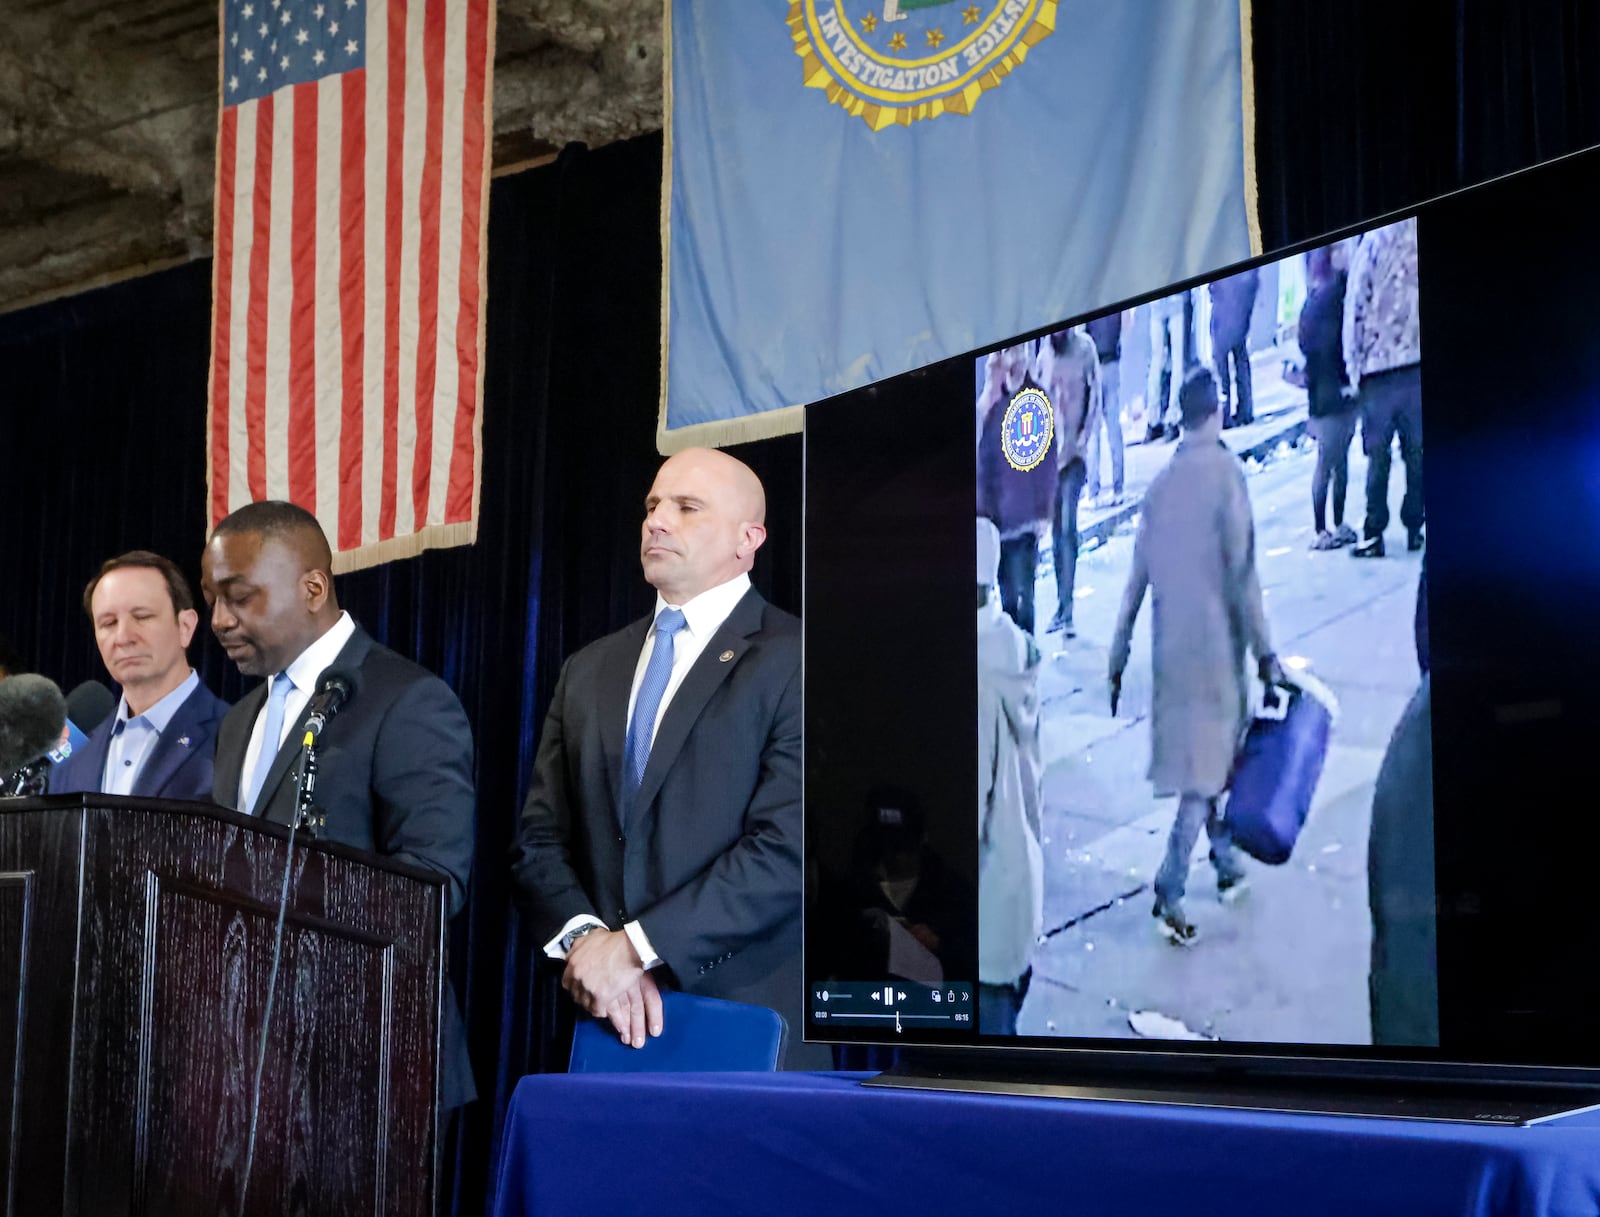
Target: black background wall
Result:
[[1362, 107]]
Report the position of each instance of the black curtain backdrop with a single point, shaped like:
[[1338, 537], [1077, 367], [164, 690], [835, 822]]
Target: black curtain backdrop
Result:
[[1367, 106], [1361, 107]]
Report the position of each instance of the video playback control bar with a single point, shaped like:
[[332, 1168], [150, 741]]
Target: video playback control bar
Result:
[[894, 1006]]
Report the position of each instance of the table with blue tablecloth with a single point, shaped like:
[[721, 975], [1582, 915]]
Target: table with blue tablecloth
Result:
[[818, 1144]]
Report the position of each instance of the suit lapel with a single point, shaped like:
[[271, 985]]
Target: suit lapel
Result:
[[173, 748], [233, 740], [716, 663]]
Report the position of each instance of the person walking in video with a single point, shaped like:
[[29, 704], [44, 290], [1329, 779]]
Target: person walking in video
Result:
[[1106, 332], [1383, 351], [1331, 408], [1195, 553], [1068, 366], [1018, 477]]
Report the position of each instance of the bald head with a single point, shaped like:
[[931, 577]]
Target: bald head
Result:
[[705, 517]]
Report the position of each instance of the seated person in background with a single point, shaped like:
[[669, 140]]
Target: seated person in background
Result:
[[161, 740], [914, 910]]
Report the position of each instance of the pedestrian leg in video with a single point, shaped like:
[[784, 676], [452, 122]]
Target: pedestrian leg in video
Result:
[[1329, 402], [1106, 333], [1232, 301], [1166, 368], [1408, 426], [1195, 552], [1065, 545], [1391, 407], [1333, 433], [1172, 879]]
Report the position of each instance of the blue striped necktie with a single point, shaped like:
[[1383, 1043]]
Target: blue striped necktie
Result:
[[276, 700], [641, 729]]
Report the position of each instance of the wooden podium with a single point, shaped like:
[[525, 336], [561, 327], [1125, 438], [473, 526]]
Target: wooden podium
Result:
[[136, 941]]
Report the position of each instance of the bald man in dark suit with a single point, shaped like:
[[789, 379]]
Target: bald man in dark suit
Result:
[[660, 843]]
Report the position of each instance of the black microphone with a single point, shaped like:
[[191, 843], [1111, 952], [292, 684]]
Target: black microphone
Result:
[[335, 687], [32, 716], [89, 705]]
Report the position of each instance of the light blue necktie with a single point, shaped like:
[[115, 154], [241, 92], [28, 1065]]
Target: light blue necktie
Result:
[[641, 730], [276, 700]]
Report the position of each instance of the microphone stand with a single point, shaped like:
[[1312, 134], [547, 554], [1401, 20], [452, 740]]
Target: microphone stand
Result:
[[307, 815], [309, 819], [30, 779]]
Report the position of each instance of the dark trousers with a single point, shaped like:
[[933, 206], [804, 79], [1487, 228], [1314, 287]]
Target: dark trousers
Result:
[[999, 1005], [1391, 405], [1064, 539], [1019, 561], [1333, 433], [1244, 407]]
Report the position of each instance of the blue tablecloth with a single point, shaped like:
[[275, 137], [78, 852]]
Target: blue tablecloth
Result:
[[820, 1144]]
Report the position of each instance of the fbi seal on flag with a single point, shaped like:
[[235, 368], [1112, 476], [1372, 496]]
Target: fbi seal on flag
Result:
[[891, 62], [1027, 429]]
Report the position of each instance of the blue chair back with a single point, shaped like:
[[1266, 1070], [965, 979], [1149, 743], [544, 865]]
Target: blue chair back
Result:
[[698, 1034]]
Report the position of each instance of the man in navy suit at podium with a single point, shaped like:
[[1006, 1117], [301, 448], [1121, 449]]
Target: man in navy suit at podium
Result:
[[396, 771], [160, 741]]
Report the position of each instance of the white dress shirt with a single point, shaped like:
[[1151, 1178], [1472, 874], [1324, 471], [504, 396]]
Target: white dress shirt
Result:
[[133, 738], [305, 671], [703, 617]]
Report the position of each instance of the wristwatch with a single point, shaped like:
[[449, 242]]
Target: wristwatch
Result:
[[571, 936]]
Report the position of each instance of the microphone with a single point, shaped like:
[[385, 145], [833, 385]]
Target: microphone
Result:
[[335, 687], [33, 715], [89, 705]]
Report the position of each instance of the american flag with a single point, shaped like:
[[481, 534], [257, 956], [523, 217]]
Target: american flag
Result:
[[347, 339]]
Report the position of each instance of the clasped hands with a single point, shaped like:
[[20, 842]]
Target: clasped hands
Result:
[[606, 977]]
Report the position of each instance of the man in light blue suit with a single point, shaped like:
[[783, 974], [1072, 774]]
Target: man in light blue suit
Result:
[[161, 740]]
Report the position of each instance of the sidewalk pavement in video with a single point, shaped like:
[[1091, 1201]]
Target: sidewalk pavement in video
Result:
[[1290, 960]]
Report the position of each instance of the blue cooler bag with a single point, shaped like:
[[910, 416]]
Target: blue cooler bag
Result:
[[1276, 770]]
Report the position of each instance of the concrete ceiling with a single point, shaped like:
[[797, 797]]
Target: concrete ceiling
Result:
[[108, 117]]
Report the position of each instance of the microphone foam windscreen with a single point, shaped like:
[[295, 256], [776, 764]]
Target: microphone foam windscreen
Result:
[[32, 716]]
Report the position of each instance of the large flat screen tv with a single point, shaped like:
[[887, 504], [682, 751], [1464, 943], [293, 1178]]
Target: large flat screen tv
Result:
[[1397, 497]]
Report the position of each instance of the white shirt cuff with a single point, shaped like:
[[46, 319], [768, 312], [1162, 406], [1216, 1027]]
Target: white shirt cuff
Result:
[[553, 947], [641, 944]]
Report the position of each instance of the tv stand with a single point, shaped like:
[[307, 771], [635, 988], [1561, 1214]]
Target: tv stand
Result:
[[1455, 1100]]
